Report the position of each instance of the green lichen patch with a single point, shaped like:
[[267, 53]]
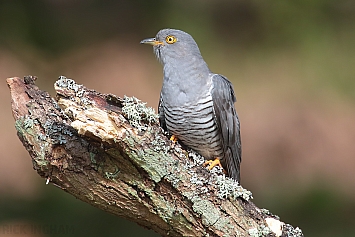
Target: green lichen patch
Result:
[[165, 209], [138, 114], [206, 209], [24, 125], [223, 223], [27, 130], [155, 163], [113, 174]]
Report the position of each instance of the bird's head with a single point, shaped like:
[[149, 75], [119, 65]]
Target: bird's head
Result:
[[172, 45]]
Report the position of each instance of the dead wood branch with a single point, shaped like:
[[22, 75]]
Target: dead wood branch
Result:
[[111, 153]]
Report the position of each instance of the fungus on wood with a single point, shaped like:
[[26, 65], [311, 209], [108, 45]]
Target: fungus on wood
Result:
[[111, 153]]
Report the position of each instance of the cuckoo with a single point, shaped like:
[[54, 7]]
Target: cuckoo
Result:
[[196, 105]]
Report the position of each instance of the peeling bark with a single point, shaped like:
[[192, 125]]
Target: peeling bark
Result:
[[111, 153]]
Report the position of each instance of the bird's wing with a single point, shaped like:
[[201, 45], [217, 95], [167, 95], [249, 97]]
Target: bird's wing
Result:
[[161, 114], [223, 98]]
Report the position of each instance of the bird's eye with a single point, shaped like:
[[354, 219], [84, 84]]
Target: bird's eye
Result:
[[170, 39]]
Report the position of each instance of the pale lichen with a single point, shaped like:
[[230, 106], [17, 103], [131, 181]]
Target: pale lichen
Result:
[[159, 144], [57, 132], [138, 114], [77, 90], [67, 83], [268, 213], [260, 231], [197, 160], [228, 187], [196, 179], [28, 123], [291, 231]]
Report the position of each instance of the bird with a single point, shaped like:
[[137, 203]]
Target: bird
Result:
[[196, 106]]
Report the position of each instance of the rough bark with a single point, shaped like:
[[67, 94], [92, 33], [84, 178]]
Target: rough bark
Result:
[[111, 153]]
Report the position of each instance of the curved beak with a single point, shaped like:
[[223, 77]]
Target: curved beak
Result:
[[152, 41]]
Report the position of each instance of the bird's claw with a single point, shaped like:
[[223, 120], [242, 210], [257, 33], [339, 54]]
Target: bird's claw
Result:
[[212, 163], [173, 138]]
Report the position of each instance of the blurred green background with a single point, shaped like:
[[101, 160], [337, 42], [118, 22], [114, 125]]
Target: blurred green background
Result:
[[292, 64]]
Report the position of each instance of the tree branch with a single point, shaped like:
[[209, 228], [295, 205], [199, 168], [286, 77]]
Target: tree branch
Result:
[[111, 153]]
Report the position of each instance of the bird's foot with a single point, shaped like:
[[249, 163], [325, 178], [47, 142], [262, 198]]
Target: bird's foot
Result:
[[213, 163], [173, 138]]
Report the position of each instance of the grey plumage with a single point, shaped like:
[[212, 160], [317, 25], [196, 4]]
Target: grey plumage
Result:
[[196, 105]]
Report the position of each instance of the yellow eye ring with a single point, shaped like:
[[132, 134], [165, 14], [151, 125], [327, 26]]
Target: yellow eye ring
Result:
[[170, 39]]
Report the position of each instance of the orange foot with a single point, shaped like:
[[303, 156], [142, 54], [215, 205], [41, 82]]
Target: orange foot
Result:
[[213, 163], [173, 138]]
